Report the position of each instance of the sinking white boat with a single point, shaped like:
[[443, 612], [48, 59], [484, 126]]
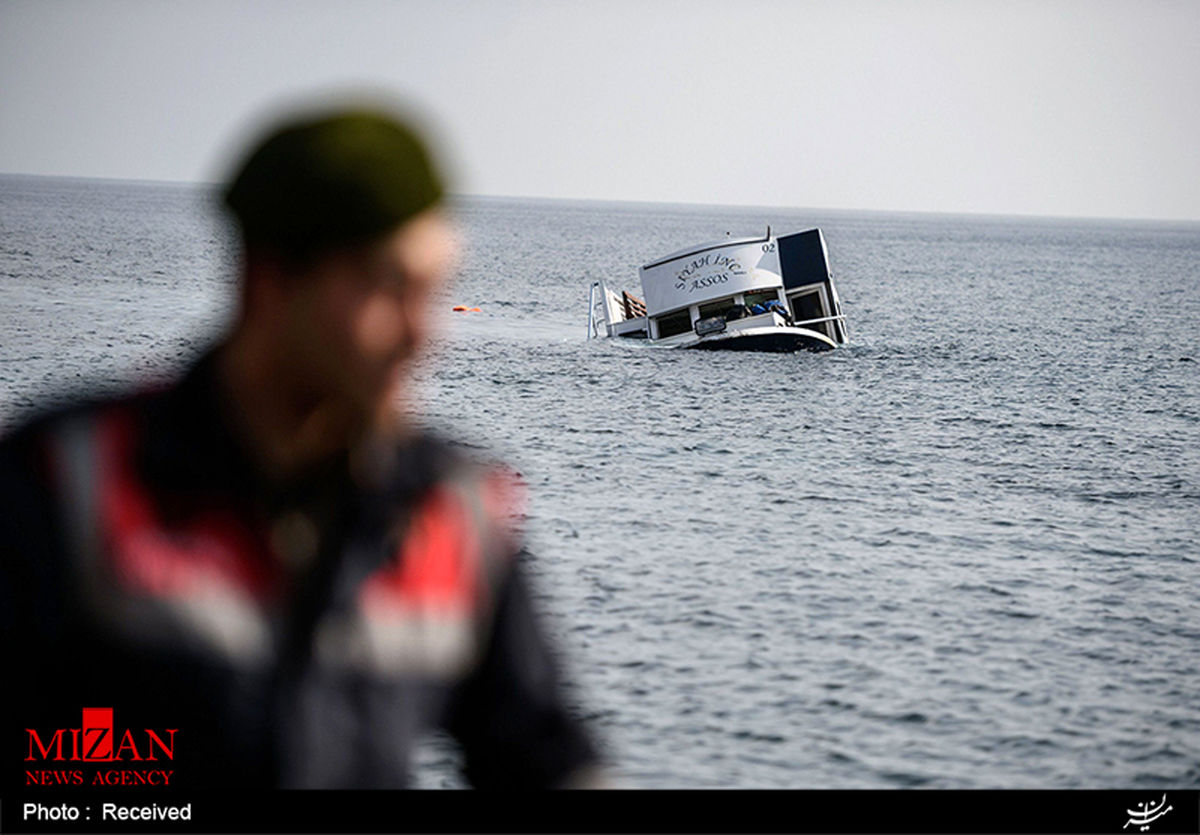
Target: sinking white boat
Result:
[[749, 294]]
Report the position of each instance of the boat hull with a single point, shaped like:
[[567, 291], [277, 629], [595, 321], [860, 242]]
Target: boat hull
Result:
[[778, 340]]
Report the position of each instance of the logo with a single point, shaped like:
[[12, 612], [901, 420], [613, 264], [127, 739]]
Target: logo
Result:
[[1145, 814], [97, 740], [708, 271]]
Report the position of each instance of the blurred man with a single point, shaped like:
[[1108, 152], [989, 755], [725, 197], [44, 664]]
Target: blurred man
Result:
[[263, 571]]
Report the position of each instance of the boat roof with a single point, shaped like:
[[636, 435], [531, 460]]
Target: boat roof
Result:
[[693, 250]]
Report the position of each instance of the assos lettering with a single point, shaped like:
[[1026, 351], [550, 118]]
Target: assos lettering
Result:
[[721, 266]]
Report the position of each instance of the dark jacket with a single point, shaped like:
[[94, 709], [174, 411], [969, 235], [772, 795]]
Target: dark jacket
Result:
[[298, 635]]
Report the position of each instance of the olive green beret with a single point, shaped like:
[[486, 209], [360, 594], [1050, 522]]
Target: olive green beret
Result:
[[338, 179]]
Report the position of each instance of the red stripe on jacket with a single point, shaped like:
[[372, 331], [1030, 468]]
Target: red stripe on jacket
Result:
[[436, 567], [211, 546]]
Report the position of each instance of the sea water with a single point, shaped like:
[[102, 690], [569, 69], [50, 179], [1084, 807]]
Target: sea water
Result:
[[961, 552]]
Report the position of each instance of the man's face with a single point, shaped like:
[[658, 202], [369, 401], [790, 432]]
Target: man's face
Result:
[[356, 319]]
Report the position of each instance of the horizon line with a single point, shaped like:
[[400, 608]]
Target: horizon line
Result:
[[644, 202]]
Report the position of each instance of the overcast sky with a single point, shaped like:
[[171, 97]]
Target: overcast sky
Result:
[[1039, 107]]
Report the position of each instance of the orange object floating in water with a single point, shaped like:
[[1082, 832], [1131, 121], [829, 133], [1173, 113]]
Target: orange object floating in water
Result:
[[475, 310], [460, 308]]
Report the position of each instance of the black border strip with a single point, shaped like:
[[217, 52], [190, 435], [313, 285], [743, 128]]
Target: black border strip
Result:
[[874, 811]]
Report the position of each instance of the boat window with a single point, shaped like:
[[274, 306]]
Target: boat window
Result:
[[761, 296], [718, 308], [808, 306], [674, 323]]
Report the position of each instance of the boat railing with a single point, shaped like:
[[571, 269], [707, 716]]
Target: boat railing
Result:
[[634, 307], [592, 309], [839, 317]]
